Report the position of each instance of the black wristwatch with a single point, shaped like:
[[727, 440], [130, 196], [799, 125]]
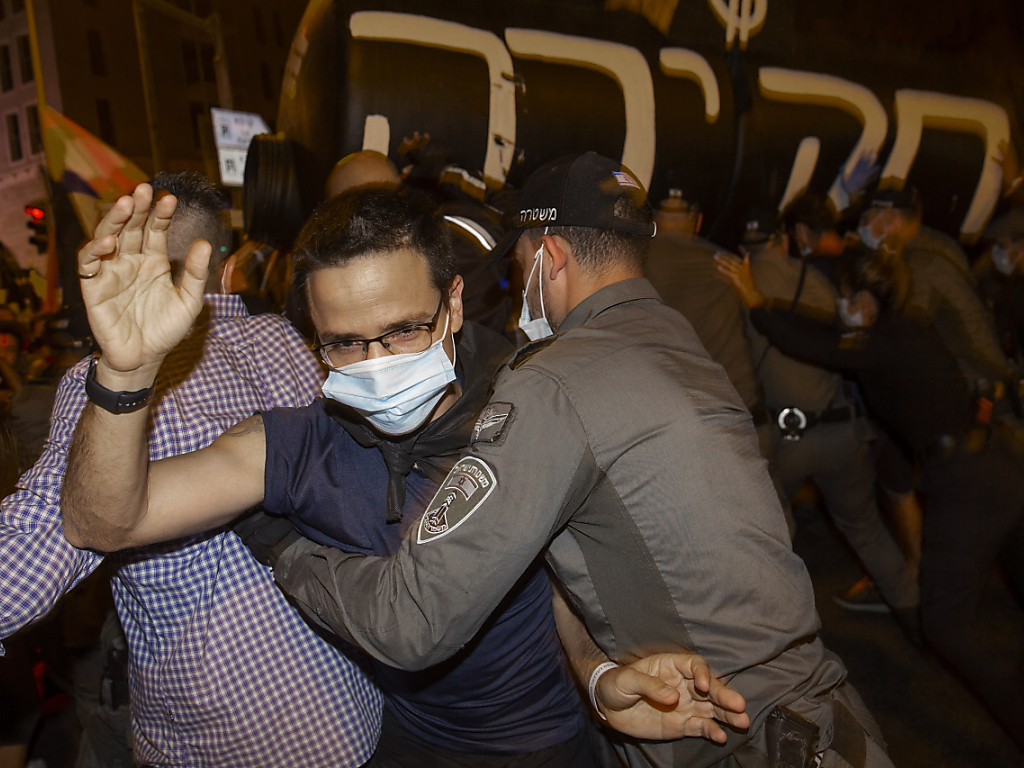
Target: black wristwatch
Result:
[[115, 402]]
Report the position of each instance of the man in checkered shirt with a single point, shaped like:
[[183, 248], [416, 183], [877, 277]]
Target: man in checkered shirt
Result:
[[223, 672]]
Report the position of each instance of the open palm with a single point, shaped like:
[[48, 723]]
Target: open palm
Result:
[[136, 312], [669, 696]]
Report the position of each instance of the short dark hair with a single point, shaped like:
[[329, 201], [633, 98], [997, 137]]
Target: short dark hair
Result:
[[195, 193], [366, 222], [597, 249], [861, 269], [813, 211]]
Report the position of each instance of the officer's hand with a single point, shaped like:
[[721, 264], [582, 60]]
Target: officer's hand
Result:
[[669, 696], [266, 536], [739, 275]]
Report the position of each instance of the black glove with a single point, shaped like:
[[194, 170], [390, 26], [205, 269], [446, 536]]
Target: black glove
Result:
[[266, 536]]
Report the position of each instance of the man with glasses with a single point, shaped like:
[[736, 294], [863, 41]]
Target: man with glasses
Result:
[[376, 269]]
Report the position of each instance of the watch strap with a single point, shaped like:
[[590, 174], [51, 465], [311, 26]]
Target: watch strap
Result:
[[115, 402]]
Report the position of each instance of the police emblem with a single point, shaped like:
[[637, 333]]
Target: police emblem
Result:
[[491, 423], [467, 486]]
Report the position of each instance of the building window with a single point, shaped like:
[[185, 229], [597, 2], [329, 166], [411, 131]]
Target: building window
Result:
[[14, 137], [195, 111], [257, 22], [106, 119], [17, 6], [190, 58], [278, 29], [6, 72], [35, 136], [97, 60], [268, 85], [25, 59], [206, 55]]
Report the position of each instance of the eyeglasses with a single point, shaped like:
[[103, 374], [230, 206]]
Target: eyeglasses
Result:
[[410, 339]]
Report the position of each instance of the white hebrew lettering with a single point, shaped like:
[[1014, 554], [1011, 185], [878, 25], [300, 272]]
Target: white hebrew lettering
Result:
[[423, 30], [377, 133], [830, 91], [680, 62], [917, 110], [803, 170], [624, 64], [743, 16]]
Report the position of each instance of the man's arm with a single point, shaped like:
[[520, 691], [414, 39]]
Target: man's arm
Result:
[[112, 497], [659, 697], [40, 565], [108, 507], [491, 517]]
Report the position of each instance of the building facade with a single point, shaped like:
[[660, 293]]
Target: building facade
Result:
[[92, 74]]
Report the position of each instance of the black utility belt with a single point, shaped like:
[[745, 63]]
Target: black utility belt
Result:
[[794, 421]]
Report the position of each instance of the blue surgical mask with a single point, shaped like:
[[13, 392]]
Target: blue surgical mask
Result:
[[1001, 260], [850, 319], [395, 393], [535, 328], [868, 238]]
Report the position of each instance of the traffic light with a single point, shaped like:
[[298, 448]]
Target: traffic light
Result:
[[40, 227]]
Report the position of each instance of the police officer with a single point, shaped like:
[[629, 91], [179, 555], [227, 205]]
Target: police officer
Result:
[[819, 431], [357, 470], [972, 471], [622, 448]]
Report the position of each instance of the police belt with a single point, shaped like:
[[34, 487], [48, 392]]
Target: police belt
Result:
[[794, 421]]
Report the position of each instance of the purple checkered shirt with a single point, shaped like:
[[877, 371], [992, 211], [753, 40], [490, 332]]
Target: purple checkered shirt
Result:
[[223, 671]]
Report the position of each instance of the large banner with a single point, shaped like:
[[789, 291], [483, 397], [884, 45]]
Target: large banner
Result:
[[734, 101]]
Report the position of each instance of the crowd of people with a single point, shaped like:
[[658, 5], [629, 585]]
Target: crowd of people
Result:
[[528, 500]]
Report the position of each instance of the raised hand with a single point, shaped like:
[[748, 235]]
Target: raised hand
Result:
[[136, 312], [669, 696], [738, 273]]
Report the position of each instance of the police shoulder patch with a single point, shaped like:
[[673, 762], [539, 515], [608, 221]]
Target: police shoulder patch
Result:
[[467, 486], [492, 422]]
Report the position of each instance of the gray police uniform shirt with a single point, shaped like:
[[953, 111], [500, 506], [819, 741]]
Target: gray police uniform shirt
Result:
[[683, 271], [942, 293], [623, 448], [786, 381]]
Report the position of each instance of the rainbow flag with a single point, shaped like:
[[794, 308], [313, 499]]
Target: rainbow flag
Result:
[[93, 174]]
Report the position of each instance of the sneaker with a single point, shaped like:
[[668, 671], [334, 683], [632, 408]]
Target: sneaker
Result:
[[862, 596]]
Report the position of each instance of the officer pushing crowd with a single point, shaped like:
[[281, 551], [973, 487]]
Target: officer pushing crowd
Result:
[[613, 445]]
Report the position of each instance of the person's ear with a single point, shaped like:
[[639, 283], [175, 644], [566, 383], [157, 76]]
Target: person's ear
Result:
[[455, 303], [558, 250], [227, 273]]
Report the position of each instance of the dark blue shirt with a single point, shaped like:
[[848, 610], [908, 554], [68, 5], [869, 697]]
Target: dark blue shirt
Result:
[[508, 691]]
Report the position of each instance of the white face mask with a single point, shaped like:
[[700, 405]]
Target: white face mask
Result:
[[538, 328], [868, 238], [1002, 262], [395, 393], [851, 320]]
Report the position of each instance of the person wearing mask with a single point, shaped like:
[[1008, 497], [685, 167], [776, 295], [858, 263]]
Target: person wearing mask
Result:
[[819, 431], [356, 470], [616, 446], [972, 471], [813, 226], [223, 671], [941, 287]]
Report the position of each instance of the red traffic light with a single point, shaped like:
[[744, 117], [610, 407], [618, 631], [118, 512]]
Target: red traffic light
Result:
[[35, 212]]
